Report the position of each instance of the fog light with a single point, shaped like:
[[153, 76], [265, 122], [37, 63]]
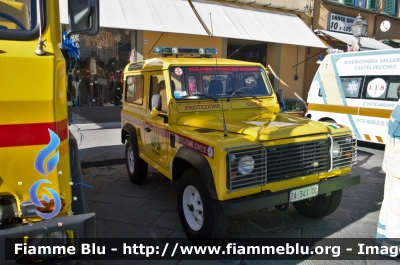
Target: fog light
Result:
[[47, 242]]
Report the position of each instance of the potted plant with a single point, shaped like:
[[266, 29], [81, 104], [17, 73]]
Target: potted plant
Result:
[[295, 106]]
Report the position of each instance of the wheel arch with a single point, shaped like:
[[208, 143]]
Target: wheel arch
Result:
[[327, 119], [128, 131], [199, 163]]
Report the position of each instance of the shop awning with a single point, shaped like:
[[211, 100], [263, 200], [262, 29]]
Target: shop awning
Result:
[[240, 22], [156, 15], [367, 43], [228, 21]]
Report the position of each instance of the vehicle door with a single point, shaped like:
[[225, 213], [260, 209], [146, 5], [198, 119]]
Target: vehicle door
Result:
[[156, 127], [134, 108]]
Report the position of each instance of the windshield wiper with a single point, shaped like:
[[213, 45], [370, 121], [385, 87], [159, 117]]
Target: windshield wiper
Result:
[[244, 93], [202, 95]]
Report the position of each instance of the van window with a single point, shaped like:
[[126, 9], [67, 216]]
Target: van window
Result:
[[351, 86], [134, 89], [381, 87]]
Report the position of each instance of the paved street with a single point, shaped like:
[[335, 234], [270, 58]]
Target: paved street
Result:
[[125, 210]]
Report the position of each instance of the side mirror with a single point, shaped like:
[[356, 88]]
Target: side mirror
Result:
[[83, 16], [155, 102]]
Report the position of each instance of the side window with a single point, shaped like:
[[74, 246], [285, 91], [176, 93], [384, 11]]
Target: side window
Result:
[[381, 87], [351, 86], [134, 89], [392, 91], [158, 86]]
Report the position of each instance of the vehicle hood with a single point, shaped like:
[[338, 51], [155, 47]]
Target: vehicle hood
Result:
[[263, 126]]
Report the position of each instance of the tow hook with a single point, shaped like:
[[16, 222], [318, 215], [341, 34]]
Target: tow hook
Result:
[[283, 207]]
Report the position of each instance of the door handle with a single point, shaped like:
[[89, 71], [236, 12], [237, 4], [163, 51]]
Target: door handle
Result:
[[147, 129]]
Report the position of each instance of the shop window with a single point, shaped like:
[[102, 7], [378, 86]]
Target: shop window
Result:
[[372, 4], [251, 53], [134, 89], [391, 7]]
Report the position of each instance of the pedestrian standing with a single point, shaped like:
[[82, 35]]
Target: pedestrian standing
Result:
[[388, 232]]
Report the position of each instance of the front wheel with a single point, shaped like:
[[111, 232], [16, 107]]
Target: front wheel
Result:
[[199, 213], [137, 167], [319, 206]]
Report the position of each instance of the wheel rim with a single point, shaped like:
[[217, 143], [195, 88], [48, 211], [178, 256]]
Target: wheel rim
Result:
[[130, 160], [193, 208], [310, 201]]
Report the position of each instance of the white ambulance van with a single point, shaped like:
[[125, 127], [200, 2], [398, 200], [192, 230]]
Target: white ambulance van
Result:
[[357, 89]]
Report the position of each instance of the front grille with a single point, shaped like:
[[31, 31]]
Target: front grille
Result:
[[238, 181], [277, 163], [348, 152], [300, 159]]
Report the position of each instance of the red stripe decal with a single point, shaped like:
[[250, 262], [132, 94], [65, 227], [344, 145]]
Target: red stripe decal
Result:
[[31, 134]]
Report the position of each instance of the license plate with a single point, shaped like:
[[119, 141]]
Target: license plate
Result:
[[91, 84], [304, 193], [118, 88]]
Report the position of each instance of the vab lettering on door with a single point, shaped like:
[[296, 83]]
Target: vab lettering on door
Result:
[[155, 141]]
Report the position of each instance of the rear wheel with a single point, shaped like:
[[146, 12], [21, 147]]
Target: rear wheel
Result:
[[199, 213], [319, 206], [137, 167]]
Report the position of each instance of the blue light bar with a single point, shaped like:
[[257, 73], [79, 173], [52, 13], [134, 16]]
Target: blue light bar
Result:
[[192, 51]]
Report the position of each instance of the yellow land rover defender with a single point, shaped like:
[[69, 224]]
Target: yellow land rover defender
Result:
[[214, 125]]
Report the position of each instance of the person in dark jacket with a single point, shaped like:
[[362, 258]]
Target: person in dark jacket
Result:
[[115, 64]]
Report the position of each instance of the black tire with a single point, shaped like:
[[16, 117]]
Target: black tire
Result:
[[214, 224], [136, 167], [329, 120], [319, 206]]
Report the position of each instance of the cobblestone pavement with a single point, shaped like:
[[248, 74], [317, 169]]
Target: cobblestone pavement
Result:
[[125, 210]]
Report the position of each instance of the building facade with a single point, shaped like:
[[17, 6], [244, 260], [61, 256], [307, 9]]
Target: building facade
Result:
[[276, 33]]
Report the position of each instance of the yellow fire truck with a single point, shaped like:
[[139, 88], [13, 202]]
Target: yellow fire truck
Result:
[[41, 199]]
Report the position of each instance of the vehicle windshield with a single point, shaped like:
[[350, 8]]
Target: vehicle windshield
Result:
[[17, 17], [197, 82]]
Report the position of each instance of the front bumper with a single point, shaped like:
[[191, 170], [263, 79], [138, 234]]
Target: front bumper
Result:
[[268, 200], [84, 226]]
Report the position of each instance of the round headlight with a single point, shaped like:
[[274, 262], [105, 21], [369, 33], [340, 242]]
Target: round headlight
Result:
[[336, 150], [246, 165], [58, 238]]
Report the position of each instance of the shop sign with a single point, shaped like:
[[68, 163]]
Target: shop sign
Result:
[[340, 23], [104, 40]]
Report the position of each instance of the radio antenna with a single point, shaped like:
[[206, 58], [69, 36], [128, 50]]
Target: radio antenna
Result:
[[153, 46], [216, 68]]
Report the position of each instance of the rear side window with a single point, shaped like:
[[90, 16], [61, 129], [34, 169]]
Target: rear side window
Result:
[[134, 89], [381, 87], [351, 86]]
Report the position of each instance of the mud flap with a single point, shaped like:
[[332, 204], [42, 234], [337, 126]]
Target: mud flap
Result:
[[78, 206]]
